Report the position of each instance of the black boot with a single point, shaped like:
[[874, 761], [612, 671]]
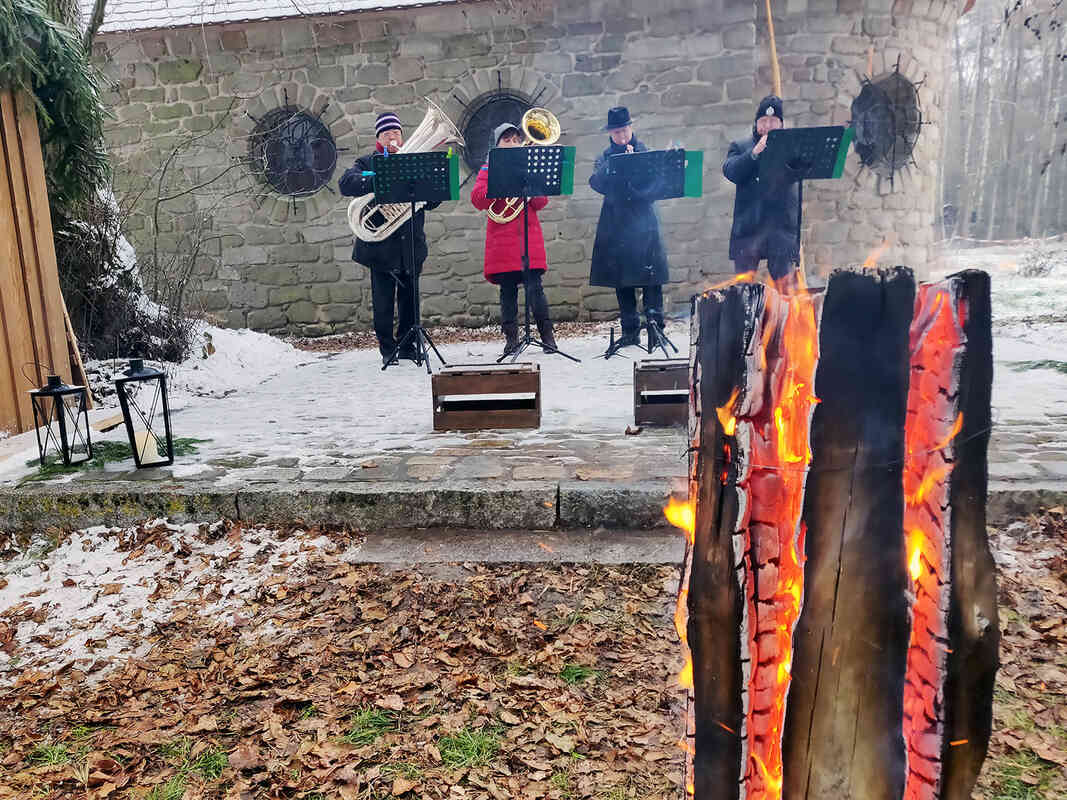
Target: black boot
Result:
[[511, 337], [627, 339], [544, 330]]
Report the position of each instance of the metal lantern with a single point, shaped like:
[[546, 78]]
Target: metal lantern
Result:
[[61, 413], [142, 395]]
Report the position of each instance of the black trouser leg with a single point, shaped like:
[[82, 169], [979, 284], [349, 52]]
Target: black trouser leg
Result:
[[509, 297], [628, 316], [780, 266], [652, 299], [405, 311], [383, 295], [745, 264], [536, 298]]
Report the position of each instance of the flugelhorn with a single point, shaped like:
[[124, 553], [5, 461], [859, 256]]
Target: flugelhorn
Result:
[[373, 222], [540, 127]]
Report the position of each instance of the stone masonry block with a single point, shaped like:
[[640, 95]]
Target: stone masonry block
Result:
[[180, 71], [582, 85]]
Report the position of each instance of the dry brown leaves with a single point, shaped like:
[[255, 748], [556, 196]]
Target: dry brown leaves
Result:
[[1028, 749], [567, 670]]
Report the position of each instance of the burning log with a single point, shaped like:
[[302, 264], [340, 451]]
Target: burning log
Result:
[[840, 590]]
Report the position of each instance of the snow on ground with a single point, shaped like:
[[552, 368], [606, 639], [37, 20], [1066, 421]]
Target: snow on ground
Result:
[[1029, 326], [101, 592], [258, 395]]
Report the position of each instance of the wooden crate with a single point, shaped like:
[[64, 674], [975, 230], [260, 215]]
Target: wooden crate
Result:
[[470, 397], [661, 392]]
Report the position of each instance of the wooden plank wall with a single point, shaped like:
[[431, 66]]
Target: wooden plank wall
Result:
[[33, 338]]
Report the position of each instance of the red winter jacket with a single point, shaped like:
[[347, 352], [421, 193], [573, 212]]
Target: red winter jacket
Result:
[[503, 243]]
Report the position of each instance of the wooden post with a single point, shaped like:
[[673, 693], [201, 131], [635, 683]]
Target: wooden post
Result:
[[33, 337]]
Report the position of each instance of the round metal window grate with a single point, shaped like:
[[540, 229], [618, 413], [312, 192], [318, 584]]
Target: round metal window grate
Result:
[[887, 120], [293, 151], [491, 111]]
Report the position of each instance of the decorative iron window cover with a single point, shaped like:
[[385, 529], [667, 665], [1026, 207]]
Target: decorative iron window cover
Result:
[[293, 151], [887, 119], [482, 117]]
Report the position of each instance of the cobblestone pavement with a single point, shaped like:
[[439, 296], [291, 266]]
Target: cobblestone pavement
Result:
[[340, 424]]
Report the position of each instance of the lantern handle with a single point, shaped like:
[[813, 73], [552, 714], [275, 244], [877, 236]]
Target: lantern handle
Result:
[[39, 366]]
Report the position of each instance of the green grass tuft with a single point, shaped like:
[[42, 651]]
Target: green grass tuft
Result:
[[103, 453], [368, 723], [210, 763], [174, 789], [1007, 774], [470, 748], [1021, 366], [577, 673], [49, 755]]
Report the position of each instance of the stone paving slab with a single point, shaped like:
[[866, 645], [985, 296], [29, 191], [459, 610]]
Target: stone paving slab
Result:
[[580, 470]]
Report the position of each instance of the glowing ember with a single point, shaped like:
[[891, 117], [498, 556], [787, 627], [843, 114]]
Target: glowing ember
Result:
[[935, 339]]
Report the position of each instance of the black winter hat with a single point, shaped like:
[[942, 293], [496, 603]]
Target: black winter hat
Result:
[[771, 106], [618, 117]]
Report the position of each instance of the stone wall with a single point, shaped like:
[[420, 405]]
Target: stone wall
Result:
[[826, 48], [186, 100]]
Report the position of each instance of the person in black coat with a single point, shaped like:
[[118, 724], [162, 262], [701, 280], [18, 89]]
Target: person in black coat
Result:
[[389, 260], [766, 211], [628, 253]]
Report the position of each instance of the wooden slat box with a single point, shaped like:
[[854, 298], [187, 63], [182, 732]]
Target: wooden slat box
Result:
[[469, 397], [661, 392]]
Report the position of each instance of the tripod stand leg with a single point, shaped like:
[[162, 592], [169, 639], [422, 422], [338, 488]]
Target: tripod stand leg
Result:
[[429, 341]]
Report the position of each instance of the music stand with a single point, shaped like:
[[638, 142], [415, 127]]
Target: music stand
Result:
[[804, 154], [657, 175], [526, 172], [411, 178]]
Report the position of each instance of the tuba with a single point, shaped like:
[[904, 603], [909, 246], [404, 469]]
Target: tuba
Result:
[[540, 127], [373, 222]]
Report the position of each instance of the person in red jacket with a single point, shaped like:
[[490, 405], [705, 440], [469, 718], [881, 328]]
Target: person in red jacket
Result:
[[503, 255]]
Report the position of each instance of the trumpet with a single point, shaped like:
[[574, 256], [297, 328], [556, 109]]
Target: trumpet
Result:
[[540, 127], [372, 221]]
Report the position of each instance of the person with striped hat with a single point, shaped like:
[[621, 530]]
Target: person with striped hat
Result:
[[388, 260]]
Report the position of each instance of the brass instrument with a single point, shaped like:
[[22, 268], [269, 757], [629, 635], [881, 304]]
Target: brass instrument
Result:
[[373, 222], [540, 127]]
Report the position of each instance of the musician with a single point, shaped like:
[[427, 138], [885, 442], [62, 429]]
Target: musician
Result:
[[765, 209], [389, 261], [503, 254], [628, 253]]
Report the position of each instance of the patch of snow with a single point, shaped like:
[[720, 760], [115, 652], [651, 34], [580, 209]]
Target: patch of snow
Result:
[[100, 594]]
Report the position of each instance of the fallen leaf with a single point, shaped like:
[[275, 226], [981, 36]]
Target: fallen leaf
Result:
[[403, 785], [564, 743], [393, 702]]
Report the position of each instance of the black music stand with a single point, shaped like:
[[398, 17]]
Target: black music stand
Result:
[[411, 178], [804, 154], [657, 175], [525, 172]]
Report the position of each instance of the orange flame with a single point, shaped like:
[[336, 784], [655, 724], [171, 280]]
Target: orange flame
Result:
[[872, 258], [915, 547], [726, 414], [681, 515], [741, 277]]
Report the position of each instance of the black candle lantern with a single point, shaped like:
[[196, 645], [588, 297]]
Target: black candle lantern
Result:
[[143, 398], [60, 414]]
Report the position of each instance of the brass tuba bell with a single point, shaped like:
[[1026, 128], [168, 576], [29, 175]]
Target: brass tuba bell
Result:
[[540, 127], [372, 221]]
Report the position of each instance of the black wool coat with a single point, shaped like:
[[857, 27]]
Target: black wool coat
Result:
[[765, 211], [628, 250], [392, 254]]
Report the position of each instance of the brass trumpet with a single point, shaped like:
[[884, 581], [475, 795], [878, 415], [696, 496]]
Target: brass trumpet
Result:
[[540, 127]]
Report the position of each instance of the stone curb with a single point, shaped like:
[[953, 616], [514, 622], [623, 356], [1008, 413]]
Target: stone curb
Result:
[[522, 505]]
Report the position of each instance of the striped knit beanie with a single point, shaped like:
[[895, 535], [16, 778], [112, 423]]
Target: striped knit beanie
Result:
[[387, 121]]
